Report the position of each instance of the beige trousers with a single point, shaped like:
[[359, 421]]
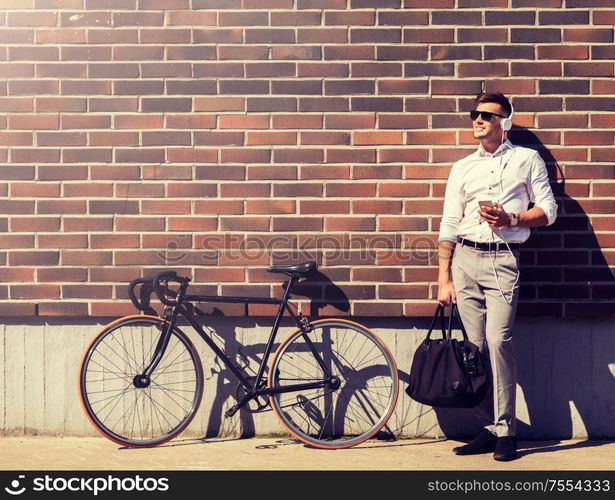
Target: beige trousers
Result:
[[488, 320]]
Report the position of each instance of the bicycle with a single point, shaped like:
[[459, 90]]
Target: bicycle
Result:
[[332, 383]]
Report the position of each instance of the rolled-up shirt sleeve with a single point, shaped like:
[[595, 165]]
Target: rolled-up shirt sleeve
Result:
[[540, 190], [452, 213]]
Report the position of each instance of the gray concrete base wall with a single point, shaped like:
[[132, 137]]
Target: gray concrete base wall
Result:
[[566, 385]]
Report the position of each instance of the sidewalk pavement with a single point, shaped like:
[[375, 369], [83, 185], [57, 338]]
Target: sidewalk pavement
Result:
[[56, 453]]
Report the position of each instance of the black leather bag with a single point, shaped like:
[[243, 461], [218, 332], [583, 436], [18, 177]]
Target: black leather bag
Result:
[[448, 373]]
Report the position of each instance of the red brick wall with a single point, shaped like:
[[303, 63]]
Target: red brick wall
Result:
[[314, 128]]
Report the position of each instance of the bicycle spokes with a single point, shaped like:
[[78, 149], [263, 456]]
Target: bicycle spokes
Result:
[[356, 400], [129, 407]]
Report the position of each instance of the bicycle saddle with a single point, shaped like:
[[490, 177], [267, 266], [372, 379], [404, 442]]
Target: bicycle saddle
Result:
[[304, 269]]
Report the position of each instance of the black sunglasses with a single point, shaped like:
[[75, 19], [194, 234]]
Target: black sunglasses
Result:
[[485, 115]]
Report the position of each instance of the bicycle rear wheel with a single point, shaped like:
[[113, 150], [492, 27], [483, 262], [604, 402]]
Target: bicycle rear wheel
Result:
[[118, 405], [361, 398]]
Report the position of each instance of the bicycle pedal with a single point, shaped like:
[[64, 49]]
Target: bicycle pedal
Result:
[[231, 411]]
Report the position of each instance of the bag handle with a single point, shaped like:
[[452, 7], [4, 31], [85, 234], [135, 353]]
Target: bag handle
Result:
[[455, 311], [439, 312]]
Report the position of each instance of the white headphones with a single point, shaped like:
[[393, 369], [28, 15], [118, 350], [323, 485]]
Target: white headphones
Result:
[[507, 123]]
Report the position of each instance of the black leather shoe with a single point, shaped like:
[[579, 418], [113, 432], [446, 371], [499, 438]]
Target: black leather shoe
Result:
[[483, 443], [505, 449]]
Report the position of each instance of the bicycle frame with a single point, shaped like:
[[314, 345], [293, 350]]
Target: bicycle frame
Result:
[[252, 391]]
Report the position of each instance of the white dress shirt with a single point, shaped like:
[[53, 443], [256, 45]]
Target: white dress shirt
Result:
[[513, 176]]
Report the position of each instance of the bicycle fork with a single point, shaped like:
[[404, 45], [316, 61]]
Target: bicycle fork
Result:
[[143, 380]]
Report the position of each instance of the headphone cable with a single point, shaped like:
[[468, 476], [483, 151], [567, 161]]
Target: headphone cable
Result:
[[512, 291]]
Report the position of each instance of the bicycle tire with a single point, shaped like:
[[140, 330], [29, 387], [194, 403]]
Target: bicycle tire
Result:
[[327, 417], [121, 411]]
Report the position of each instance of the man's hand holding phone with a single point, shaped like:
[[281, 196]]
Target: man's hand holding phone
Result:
[[493, 213]]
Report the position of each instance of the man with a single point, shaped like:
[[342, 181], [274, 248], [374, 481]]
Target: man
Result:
[[479, 256]]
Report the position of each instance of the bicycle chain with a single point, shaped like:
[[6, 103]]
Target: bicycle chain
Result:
[[302, 379]]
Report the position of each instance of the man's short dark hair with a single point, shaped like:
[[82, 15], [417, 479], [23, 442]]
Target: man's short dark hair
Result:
[[494, 97]]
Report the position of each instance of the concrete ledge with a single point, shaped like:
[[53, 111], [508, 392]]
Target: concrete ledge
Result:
[[566, 386]]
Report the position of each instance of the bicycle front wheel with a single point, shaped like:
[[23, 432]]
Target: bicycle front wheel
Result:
[[358, 398], [122, 407]]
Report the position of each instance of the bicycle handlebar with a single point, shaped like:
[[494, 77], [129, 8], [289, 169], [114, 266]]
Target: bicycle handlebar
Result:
[[164, 276], [153, 284], [144, 304]]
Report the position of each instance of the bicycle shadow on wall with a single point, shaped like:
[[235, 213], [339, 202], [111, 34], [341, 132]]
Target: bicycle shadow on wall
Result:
[[562, 265]]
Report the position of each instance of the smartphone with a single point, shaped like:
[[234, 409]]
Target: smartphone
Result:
[[487, 203]]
